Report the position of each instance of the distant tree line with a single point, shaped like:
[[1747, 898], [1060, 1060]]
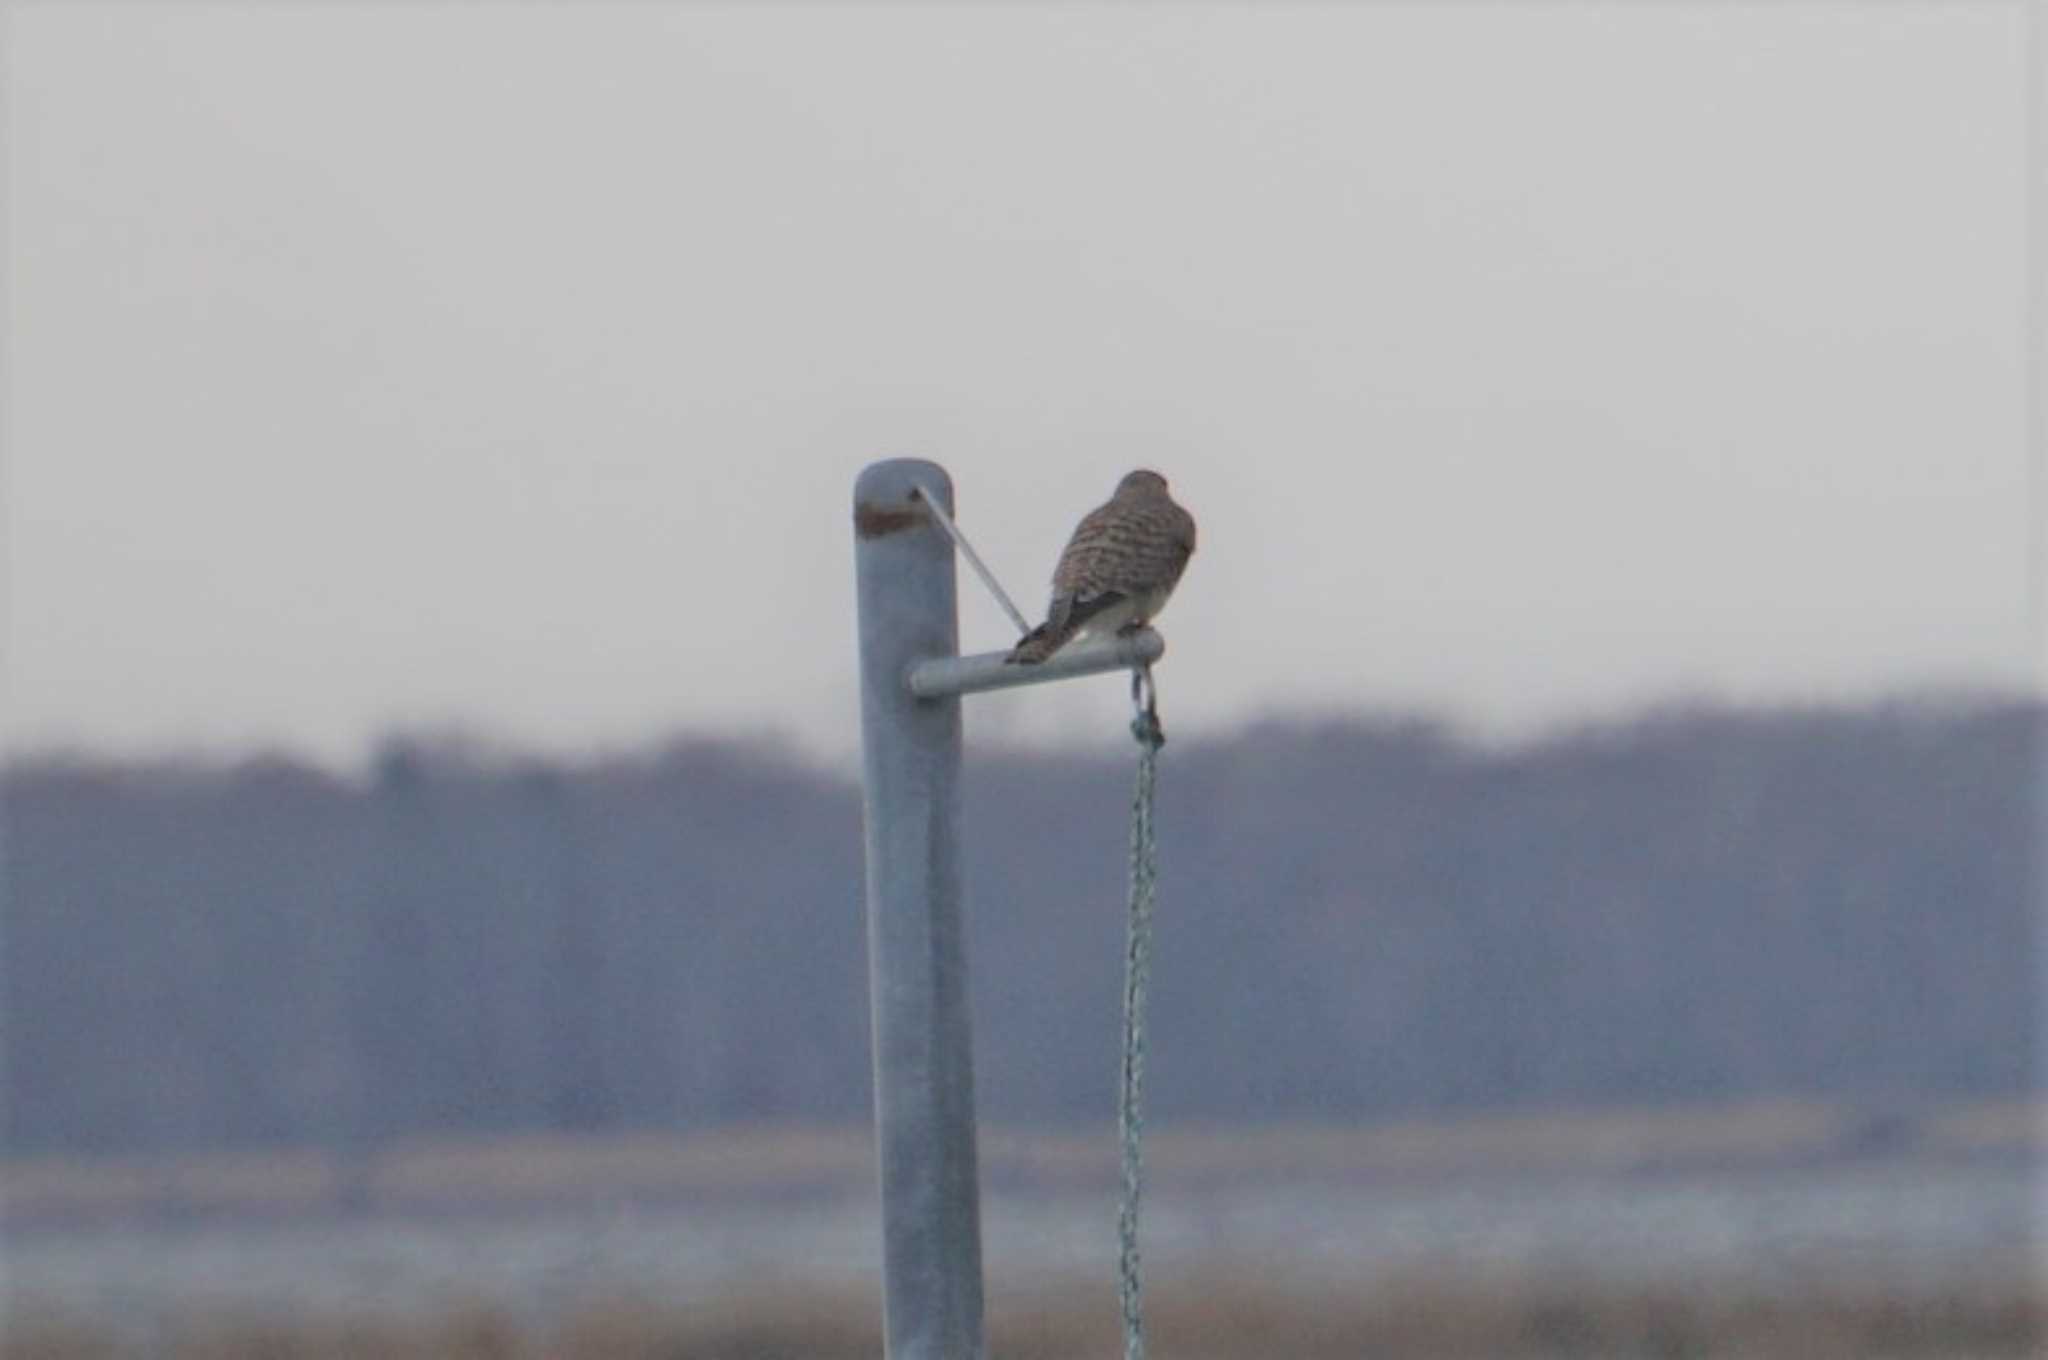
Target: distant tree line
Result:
[[1357, 920]]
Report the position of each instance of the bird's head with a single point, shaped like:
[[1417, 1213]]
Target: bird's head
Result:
[[1143, 482]]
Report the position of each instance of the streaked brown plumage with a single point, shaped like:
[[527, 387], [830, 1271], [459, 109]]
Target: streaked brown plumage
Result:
[[1118, 569]]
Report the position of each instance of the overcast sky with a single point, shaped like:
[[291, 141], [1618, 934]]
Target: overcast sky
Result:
[[508, 367]]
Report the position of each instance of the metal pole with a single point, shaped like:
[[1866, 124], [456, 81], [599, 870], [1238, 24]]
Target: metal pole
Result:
[[917, 966]]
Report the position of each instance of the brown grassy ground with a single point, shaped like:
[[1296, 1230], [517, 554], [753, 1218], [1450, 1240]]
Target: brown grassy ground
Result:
[[1217, 1319]]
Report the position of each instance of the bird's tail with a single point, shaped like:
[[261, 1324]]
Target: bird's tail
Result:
[[1042, 641]]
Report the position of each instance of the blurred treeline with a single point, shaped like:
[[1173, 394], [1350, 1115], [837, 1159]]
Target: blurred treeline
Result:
[[1358, 920]]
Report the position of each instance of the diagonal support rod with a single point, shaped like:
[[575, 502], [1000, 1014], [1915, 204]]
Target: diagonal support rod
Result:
[[988, 578]]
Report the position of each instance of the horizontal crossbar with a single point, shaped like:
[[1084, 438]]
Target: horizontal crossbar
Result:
[[939, 676]]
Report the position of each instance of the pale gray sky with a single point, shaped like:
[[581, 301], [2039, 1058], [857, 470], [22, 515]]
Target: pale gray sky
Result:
[[509, 366]]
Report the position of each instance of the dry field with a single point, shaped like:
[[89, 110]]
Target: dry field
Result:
[[1218, 1319]]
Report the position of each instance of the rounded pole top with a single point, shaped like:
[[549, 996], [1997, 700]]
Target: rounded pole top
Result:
[[891, 481]]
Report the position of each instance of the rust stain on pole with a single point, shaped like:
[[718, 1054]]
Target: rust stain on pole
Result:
[[878, 521]]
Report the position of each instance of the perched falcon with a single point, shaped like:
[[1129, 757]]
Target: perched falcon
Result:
[[1119, 567]]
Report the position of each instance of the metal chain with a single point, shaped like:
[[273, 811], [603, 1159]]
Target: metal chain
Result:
[[1137, 974]]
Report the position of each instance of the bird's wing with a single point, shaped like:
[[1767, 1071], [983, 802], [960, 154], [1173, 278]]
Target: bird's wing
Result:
[[1123, 549]]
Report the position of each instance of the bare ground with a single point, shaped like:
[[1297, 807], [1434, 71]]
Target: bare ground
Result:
[[1214, 1319]]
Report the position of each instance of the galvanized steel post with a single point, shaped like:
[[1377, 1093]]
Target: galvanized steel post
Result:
[[917, 963]]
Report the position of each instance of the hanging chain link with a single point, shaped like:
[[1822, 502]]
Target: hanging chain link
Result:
[[1137, 975]]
